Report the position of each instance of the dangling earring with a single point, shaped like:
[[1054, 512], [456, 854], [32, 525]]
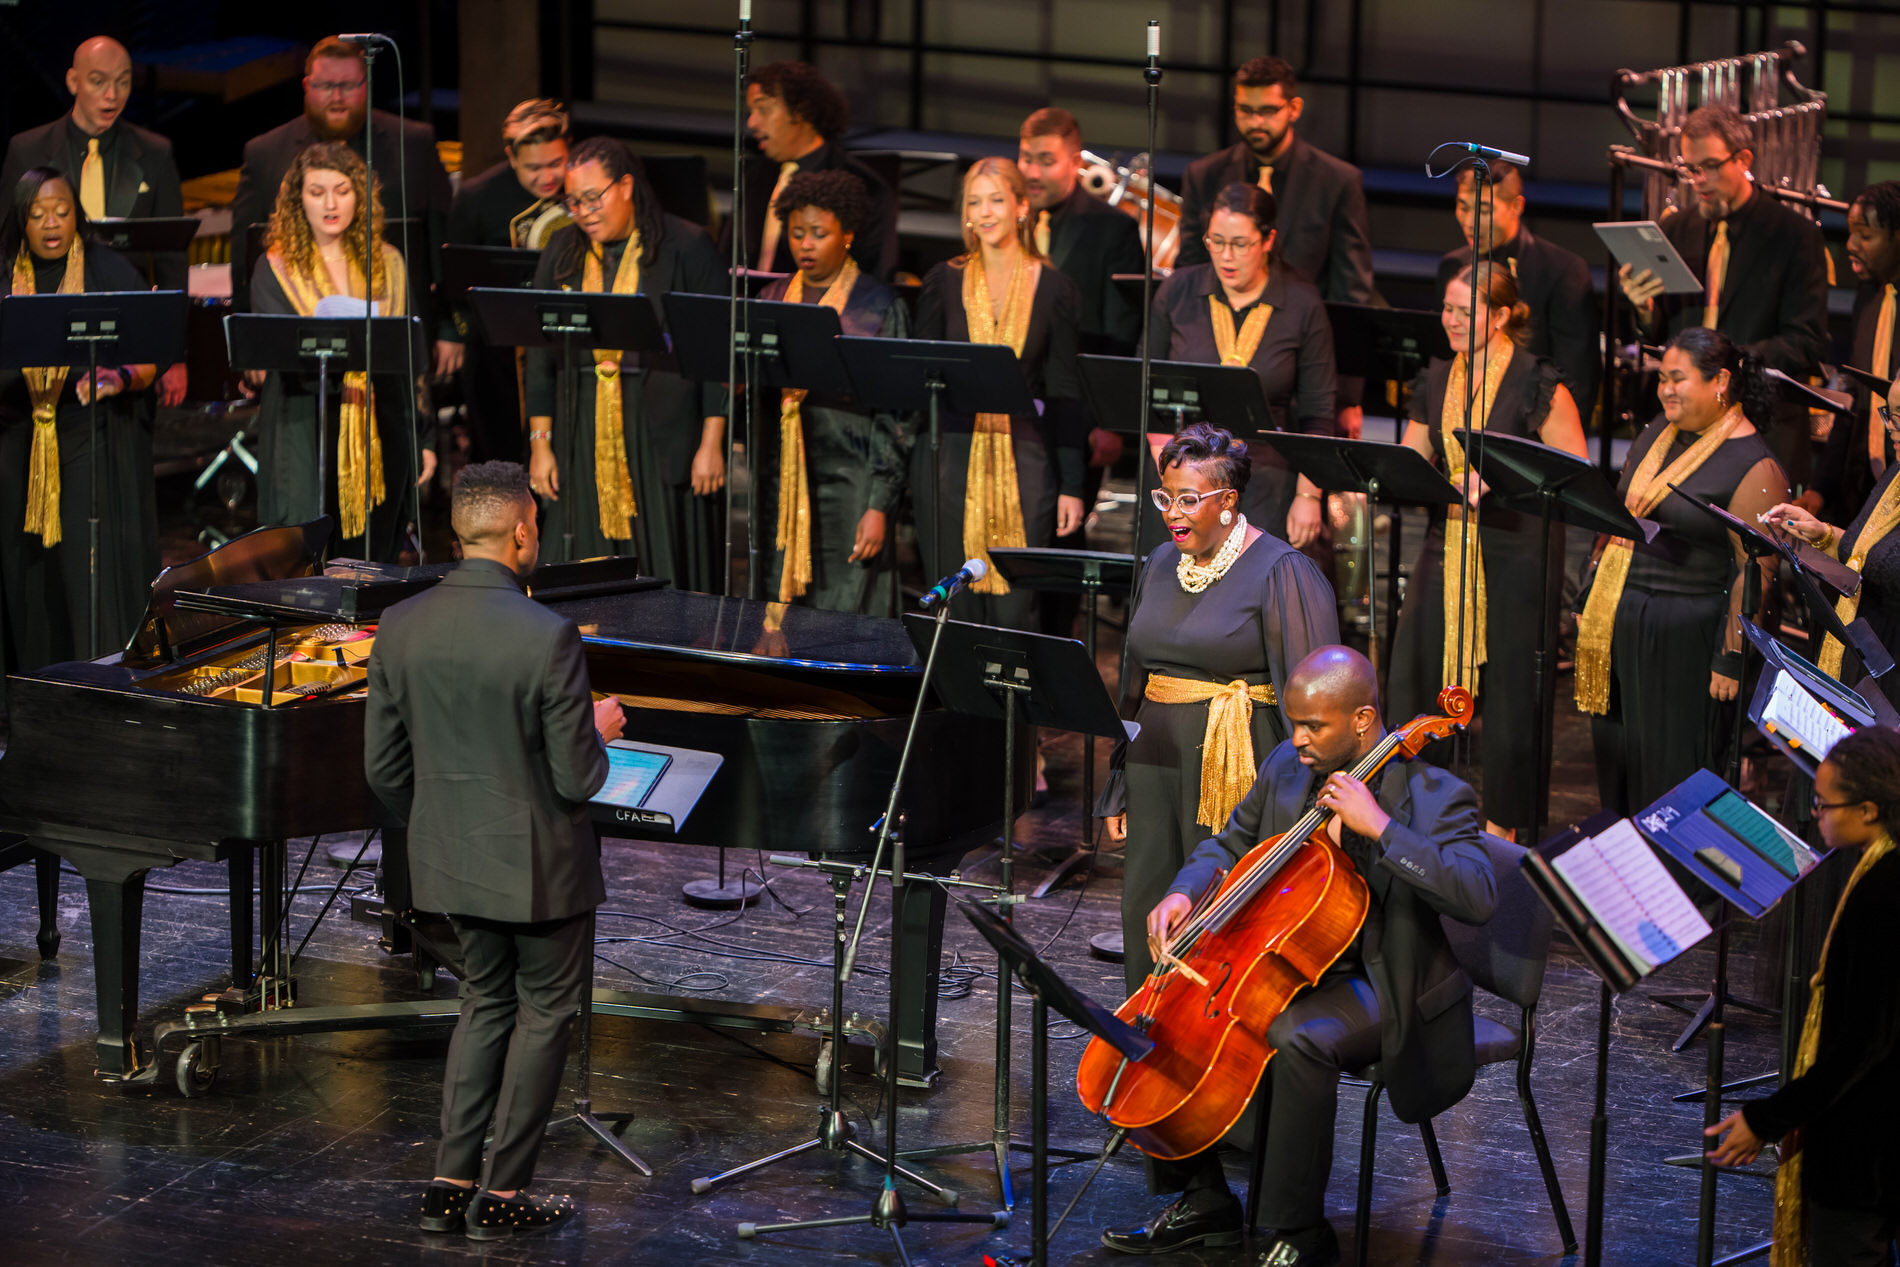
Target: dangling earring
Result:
[[1226, 517]]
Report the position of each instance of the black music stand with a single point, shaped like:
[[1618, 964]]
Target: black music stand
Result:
[[1531, 477], [572, 320], [1017, 678], [784, 345], [134, 327], [1048, 989], [1385, 344], [159, 235], [1383, 472], [925, 376], [289, 344], [465, 268], [1093, 575]]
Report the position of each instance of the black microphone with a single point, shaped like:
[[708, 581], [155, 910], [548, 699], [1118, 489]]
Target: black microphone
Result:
[[972, 571], [367, 37], [1485, 151]]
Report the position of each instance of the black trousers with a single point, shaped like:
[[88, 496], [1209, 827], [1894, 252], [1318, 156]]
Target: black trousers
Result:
[[1330, 1028], [520, 996], [1851, 1238]]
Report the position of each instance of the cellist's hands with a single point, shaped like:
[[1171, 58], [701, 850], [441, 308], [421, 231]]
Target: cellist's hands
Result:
[[1353, 801], [1167, 917]]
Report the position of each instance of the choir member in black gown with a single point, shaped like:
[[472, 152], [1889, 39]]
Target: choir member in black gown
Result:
[[516, 203], [1659, 648], [1871, 547], [46, 452], [1519, 394], [1001, 290], [843, 466], [314, 255], [1221, 602], [1247, 307], [663, 483]]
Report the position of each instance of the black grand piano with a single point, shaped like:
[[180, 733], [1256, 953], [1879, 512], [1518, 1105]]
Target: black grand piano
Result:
[[184, 746]]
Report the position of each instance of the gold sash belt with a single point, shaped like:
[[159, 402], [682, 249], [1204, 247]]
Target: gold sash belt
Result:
[[1227, 761], [43, 387]]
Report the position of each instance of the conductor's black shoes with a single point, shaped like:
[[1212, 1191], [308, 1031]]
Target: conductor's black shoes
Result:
[[1308, 1247], [1179, 1226], [491, 1217], [444, 1206]]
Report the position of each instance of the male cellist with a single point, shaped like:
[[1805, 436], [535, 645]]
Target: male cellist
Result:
[[1395, 995]]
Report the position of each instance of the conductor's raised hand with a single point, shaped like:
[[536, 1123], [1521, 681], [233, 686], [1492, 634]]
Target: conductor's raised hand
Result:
[[1642, 289], [1167, 916], [609, 718]]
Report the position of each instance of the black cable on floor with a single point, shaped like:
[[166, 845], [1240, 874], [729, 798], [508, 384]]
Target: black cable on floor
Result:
[[720, 979]]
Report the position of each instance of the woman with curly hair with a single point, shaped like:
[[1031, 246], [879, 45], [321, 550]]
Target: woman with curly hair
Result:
[[838, 472], [46, 453], [1001, 480], [360, 453]]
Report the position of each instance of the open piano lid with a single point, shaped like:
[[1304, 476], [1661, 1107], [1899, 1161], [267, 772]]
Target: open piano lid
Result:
[[169, 632]]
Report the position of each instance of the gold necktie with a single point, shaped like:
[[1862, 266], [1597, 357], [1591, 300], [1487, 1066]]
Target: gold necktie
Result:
[[92, 181], [768, 245], [1512, 261], [1042, 233], [1882, 366], [1718, 268], [1266, 177]]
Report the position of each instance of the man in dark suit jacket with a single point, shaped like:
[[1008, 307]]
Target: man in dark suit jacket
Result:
[[1322, 199], [1852, 461], [1565, 320], [336, 108], [1773, 286], [798, 119], [138, 177], [1397, 995], [482, 739]]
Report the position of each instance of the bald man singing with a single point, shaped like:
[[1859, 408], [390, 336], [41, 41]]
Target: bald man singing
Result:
[[1396, 995]]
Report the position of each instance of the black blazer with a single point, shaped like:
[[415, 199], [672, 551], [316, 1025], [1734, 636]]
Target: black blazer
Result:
[[1321, 220], [141, 179], [1565, 318], [1841, 473], [485, 206], [875, 249], [1434, 864], [1090, 242], [480, 737], [268, 157]]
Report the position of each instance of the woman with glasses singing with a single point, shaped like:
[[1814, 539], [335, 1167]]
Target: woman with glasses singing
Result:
[[1496, 599], [1246, 308], [1225, 612], [1871, 547], [641, 470]]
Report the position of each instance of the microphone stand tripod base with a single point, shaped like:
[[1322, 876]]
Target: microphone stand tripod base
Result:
[[1108, 946]]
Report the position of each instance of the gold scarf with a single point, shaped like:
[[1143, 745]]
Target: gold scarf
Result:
[[1883, 519], [43, 388], [794, 485], [1648, 487], [1791, 1211], [1464, 555], [613, 482], [992, 504], [1227, 761], [359, 446], [1237, 349]]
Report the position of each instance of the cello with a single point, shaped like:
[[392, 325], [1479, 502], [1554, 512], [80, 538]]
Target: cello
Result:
[[1268, 930]]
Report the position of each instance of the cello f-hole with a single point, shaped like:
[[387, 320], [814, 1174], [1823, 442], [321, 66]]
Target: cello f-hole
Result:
[[1210, 1008]]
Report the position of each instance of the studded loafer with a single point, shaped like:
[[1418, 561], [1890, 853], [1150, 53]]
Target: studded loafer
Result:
[[491, 1217], [1177, 1227], [445, 1207]]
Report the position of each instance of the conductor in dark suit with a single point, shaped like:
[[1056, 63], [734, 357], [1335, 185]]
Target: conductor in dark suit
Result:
[[1565, 320], [482, 739], [798, 117], [1396, 995], [1765, 265], [336, 108], [119, 170]]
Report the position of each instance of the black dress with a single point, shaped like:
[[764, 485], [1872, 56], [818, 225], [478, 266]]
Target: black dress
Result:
[[1514, 587], [1047, 447], [1257, 622], [1662, 725], [1879, 592], [47, 588], [1295, 365], [287, 458], [854, 462], [663, 416]]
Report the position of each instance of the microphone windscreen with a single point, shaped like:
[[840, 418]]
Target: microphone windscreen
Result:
[[977, 569]]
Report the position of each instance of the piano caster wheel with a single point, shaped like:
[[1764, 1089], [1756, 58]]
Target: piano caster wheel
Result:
[[195, 1078], [826, 1067]]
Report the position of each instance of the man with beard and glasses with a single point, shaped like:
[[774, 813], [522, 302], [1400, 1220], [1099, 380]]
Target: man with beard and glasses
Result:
[[122, 171], [1397, 994], [336, 108], [1764, 263]]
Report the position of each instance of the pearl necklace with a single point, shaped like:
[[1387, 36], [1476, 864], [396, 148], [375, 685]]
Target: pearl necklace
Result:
[[1194, 578]]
